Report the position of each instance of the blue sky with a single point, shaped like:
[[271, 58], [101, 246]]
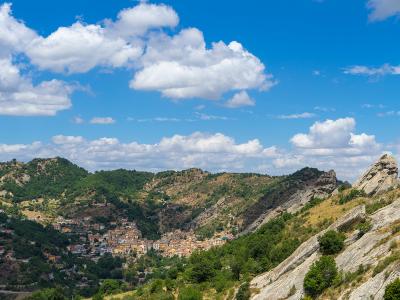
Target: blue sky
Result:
[[328, 97]]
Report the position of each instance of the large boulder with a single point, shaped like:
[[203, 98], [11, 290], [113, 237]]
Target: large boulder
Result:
[[380, 177]]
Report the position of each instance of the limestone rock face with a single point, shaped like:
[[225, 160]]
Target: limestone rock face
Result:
[[380, 177]]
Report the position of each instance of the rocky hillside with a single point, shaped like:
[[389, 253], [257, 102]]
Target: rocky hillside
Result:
[[370, 258], [190, 200]]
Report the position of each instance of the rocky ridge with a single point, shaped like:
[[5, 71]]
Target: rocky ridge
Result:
[[380, 177], [362, 251]]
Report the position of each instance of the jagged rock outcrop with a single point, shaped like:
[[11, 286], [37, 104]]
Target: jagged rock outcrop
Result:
[[369, 250], [380, 177], [290, 194], [277, 283]]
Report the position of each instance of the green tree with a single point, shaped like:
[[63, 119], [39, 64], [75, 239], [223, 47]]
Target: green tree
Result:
[[47, 294], [320, 276], [332, 242], [392, 291], [243, 292], [110, 286]]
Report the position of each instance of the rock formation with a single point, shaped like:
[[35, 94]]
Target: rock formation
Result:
[[380, 177], [291, 194]]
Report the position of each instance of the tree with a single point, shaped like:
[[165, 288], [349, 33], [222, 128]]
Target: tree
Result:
[[392, 291], [47, 294], [243, 292], [320, 276], [332, 242], [110, 286]]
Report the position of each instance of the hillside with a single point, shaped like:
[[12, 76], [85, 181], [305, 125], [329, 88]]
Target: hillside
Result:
[[283, 229], [159, 203]]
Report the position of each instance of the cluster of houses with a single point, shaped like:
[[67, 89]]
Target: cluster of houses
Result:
[[125, 239]]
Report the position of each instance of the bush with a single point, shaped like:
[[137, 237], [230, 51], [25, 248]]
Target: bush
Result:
[[392, 291], [190, 293], [47, 294], [332, 242], [350, 196], [320, 276], [243, 292]]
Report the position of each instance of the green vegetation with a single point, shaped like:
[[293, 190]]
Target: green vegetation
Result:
[[189, 293], [46, 178], [392, 291], [353, 194], [382, 265], [47, 294], [370, 208], [363, 227], [332, 242], [320, 276], [243, 292]]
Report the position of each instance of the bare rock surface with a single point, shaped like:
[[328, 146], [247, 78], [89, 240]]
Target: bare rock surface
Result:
[[380, 177], [277, 283], [374, 288]]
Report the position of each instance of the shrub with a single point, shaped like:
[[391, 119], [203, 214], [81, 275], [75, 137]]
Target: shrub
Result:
[[190, 293], [47, 294], [386, 262], [320, 276], [392, 291], [243, 292], [350, 196], [363, 228], [331, 242]]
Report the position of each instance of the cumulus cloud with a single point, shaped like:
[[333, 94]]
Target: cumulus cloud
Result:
[[20, 97], [137, 21], [216, 152], [384, 70], [79, 48], [335, 137], [179, 66], [14, 35], [82, 47], [102, 121], [183, 67], [239, 100], [332, 144], [383, 9]]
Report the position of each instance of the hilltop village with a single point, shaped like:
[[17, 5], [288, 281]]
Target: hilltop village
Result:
[[123, 238]]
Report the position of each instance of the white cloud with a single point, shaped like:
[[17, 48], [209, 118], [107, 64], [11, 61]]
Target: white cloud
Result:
[[19, 97], [140, 19], [62, 139], [14, 35], [349, 154], [332, 144], [383, 9], [385, 69], [305, 115], [102, 121], [79, 48], [239, 100], [206, 117], [333, 135], [216, 152], [181, 67]]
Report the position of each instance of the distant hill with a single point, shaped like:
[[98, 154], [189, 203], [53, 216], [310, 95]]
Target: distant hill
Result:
[[159, 202]]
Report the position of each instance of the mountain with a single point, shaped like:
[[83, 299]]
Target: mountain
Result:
[[159, 203], [252, 236], [370, 259]]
